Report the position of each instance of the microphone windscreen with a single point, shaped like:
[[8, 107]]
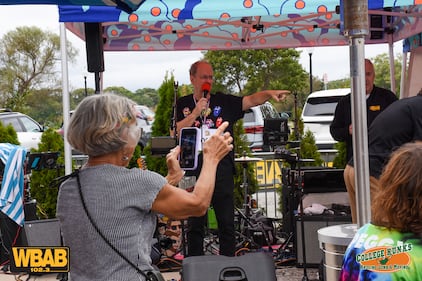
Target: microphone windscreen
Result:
[[206, 87]]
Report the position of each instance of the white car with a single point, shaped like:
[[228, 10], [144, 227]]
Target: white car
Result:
[[28, 130], [318, 113], [144, 121], [146, 112], [253, 123]]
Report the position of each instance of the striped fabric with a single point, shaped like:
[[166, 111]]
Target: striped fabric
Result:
[[11, 192]]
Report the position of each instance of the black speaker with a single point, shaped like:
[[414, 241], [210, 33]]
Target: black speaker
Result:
[[94, 42], [311, 224], [251, 266], [43, 233]]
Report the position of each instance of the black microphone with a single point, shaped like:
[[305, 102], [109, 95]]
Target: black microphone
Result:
[[206, 89]]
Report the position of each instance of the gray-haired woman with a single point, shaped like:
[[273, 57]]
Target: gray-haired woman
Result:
[[107, 201]]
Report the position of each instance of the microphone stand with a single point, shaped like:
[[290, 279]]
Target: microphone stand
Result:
[[173, 128], [300, 188]]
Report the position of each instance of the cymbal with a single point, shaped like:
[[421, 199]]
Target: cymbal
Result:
[[247, 159]]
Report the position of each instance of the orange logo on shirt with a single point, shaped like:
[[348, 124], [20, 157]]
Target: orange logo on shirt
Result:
[[385, 258]]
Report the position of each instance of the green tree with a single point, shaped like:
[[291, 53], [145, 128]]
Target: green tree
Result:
[[119, 91], [309, 150], [41, 180], [382, 71], [46, 107], [162, 124], [247, 71], [8, 134], [340, 160], [147, 96], [29, 60], [77, 95], [341, 83]]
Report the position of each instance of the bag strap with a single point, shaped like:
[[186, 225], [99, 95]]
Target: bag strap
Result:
[[149, 275]]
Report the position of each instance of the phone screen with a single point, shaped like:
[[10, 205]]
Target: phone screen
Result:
[[188, 154]]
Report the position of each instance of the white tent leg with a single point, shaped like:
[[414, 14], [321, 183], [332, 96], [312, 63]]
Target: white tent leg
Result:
[[66, 102]]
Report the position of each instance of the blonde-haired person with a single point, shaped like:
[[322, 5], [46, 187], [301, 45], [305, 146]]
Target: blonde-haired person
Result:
[[395, 233], [123, 202]]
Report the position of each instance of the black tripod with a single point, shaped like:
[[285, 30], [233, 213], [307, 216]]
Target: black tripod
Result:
[[248, 225], [297, 164]]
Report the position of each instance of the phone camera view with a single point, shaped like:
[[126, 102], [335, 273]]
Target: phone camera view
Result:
[[188, 155]]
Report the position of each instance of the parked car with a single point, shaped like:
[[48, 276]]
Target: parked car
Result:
[[318, 113], [143, 123], [253, 123], [28, 130], [146, 112]]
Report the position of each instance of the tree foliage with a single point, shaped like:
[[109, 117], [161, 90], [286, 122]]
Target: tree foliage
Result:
[[341, 83], [147, 96], [29, 60], [162, 124], [41, 180], [340, 160], [382, 71], [8, 134], [247, 71]]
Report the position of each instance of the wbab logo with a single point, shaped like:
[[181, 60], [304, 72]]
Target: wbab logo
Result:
[[385, 258], [40, 259]]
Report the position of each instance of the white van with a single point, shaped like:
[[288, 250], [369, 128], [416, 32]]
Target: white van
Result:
[[318, 113]]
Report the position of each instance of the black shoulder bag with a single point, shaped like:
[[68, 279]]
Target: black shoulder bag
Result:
[[150, 275]]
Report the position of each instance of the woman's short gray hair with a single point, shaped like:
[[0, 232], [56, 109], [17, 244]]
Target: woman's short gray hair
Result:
[[96, 126]]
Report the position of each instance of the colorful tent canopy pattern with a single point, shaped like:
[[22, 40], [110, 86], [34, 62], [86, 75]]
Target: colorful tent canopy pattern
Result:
[[239, 24]]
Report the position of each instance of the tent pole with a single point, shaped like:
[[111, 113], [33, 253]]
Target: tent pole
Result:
[[66, 102], [356, 27]]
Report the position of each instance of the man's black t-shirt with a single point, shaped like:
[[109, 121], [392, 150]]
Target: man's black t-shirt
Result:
[[400, 123], [378, 100], [221, 108]]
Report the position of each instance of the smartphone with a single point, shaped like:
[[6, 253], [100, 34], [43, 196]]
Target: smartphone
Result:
[[189, 142]]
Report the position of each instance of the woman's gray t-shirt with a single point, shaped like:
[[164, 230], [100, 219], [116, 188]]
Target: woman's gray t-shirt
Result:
[[119, 201]]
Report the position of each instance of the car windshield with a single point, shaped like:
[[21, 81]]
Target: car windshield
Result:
[[321, 106]]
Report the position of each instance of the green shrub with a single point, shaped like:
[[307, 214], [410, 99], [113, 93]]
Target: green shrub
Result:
[[8, 134], [340, 160], [40, 186]]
